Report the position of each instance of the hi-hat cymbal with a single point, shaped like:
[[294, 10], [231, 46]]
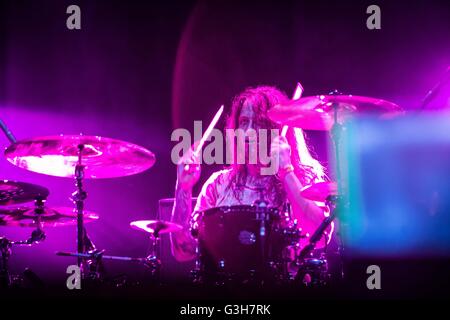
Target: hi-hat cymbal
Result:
[[50, 217], [317, 112], [320, 191], [101, 157], [156, 226], [14, 192]]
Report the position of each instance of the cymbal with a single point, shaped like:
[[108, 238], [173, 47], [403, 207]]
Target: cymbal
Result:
[[320, 191], [156, 226], [101, 157], [14, 192], [50, 217], [317, 112]]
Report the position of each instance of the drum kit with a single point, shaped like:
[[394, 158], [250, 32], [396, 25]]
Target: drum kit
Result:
[[238, 243]]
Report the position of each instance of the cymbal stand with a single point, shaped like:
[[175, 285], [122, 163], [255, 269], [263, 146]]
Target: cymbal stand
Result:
[[96, 258], [331, 201], [92, 266], [99, 254], [37, 236], [152, 261], [336, 132], [93, 258], [318, 234], [5, 250], [262, 216]]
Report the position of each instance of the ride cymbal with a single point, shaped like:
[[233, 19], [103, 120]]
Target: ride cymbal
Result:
[[101, 157]]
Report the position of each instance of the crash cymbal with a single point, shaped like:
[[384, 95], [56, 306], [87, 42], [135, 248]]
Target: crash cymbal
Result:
[[14, 192], [50, 217], [317, 112], [101, 157], [156, 226], [320, 191]]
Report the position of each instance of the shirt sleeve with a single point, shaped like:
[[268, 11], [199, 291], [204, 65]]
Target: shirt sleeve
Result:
[[207, 198]]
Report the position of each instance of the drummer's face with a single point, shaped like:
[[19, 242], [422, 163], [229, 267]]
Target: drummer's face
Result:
[[247, 117], [248, 122]]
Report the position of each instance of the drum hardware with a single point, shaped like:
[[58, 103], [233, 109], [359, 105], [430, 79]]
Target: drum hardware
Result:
[[262, 214], [99, 255], [48, 217], [80, 157], [37, 217], [196, 272], [7, 132], [433, 92], [155, 228], [326, 112], [28, 217], [94, 258], [318, 112], [14, 192], [95, 269], [241, 245], [313, 272], [59, 156], [5, 249], [6, 279], [333, 198], [305, 262], [90, 267]]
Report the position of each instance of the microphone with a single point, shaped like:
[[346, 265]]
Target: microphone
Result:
[[7, 132], [431, 94]]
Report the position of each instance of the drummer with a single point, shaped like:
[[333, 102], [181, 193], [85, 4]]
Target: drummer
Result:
[[243, 184]]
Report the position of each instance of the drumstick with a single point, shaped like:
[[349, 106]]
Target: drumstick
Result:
[[297, 94], [208, 131], [206, 135]]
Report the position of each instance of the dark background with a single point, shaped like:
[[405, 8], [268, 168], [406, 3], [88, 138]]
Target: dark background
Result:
[[139, 69]]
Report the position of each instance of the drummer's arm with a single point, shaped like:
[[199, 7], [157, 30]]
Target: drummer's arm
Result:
[[182, 243], [309, 209]]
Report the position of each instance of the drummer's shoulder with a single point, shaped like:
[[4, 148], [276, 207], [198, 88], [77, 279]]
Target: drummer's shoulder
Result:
[[213, 186], [219, 176]]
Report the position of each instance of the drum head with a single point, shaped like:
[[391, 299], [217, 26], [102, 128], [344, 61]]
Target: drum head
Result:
[[237, 240]]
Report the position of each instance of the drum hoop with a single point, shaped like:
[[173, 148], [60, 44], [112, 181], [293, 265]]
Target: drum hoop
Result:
[[238, 208]]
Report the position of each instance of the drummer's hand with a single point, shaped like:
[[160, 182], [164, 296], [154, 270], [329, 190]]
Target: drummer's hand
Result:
[[280, 148], [188, 170]]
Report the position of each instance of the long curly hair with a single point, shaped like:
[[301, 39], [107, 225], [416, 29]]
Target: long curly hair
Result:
[[306, 167]]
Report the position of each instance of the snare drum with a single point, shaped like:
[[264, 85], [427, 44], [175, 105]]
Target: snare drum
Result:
[[240, 243]]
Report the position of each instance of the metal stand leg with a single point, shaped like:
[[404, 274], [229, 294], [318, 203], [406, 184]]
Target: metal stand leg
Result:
[[6, 280], [91, 267], [331, 201], [152, 261], [5, 250], [78, 197], [336, 136]]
